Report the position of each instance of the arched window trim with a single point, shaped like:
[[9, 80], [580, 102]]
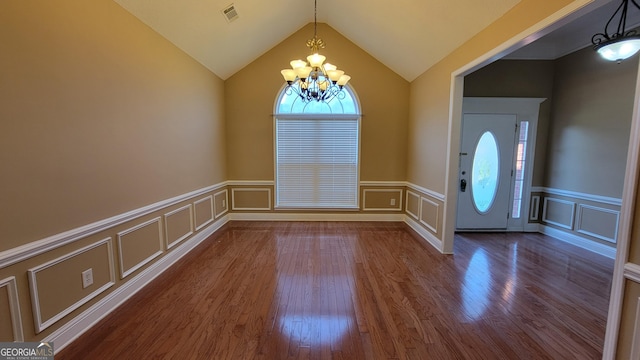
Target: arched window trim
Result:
[[348, 88], [281, 202]]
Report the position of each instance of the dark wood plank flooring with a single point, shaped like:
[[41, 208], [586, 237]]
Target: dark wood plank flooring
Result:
[[325, 290]]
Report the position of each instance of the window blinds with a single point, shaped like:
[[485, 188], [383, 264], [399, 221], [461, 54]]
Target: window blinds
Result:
[[317, 163]]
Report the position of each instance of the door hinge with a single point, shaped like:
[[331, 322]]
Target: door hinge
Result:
[[511, 172], [507, 215]]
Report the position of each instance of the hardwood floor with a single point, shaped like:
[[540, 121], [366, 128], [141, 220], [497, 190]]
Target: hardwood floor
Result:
[[284, 290]]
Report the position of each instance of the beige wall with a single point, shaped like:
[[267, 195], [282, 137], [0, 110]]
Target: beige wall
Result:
[[430, 92], [250, 95], [519, 78], [591, 118], [430, 107], [100, 115]]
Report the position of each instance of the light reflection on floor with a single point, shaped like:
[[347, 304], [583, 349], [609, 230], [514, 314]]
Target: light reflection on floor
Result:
[[475, 290], [478, 280], [315, 329]]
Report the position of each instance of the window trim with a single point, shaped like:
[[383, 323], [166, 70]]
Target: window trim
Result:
[[305, 116]]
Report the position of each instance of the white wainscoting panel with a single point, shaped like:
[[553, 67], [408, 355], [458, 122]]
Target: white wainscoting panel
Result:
[[168, 223], [202, 217], [559, 207], [238, 190], [72, 329], [416, 197], [15, 255], [122, 240], [535, 208], [226, 203], [14, 307], [431, 224], [41, 324], [398, 206], [598, 222]]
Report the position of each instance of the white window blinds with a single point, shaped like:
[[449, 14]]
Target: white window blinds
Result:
[[317, 163]]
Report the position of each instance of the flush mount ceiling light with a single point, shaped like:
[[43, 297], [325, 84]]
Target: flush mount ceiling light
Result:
[[317, 80], [619, 45]]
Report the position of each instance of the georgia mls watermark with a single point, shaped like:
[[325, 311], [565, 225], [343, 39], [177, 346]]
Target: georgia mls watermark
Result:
[[26, 351]]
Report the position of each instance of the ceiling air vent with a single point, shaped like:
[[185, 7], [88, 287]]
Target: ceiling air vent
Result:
[[230, 13]]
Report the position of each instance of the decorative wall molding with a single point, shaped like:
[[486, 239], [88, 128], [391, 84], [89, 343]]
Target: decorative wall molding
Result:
[[580, 228], [578, 195], [41, 324], [397, 208], [568, 226], [20, 253], [598, 248], [233, 201], [433, 194], [14, 307], [71, 330], [167, 216], [432, 227], [417, 196], [632, 272], [429, 237], [535, 208], [383, 183], [208, 220], [126, 272], [226, 203], [250, 183]]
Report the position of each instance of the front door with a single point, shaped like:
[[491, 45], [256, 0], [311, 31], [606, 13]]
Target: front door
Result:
[[484, 178]]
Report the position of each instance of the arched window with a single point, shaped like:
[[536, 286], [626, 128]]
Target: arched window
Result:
[[317, 151]]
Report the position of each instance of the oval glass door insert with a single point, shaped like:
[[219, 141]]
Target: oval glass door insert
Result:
[[484, 172]]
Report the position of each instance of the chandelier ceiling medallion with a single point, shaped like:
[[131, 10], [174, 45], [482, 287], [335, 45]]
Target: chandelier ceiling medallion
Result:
[[619, 45], [317, 80]]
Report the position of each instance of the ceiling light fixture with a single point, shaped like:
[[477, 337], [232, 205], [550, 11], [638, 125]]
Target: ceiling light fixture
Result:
[[622, 44], [316, 81]]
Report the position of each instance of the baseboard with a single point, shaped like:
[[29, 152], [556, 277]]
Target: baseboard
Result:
[[346, 216], [424, 233], [579, 241], [70, 331]]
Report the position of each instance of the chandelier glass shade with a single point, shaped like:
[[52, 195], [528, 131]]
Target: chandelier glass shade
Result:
[[314, 79], [621, 44]]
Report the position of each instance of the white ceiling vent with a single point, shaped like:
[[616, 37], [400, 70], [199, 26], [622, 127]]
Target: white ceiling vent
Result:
[[230, 13]]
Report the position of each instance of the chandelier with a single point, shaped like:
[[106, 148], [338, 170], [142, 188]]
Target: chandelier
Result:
[[317, 80], [622, 44]]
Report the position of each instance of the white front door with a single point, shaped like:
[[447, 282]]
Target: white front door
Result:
[[484, 178]]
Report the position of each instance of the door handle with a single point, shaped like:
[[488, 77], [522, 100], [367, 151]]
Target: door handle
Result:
[[463, 185]]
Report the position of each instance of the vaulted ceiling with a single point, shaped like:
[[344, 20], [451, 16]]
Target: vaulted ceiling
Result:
[[408, 36]]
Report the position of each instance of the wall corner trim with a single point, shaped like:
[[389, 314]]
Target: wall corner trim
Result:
[[83, 322], [20, 253]]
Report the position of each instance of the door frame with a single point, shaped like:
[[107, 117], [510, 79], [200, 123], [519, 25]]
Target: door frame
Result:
[[525, 109]]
